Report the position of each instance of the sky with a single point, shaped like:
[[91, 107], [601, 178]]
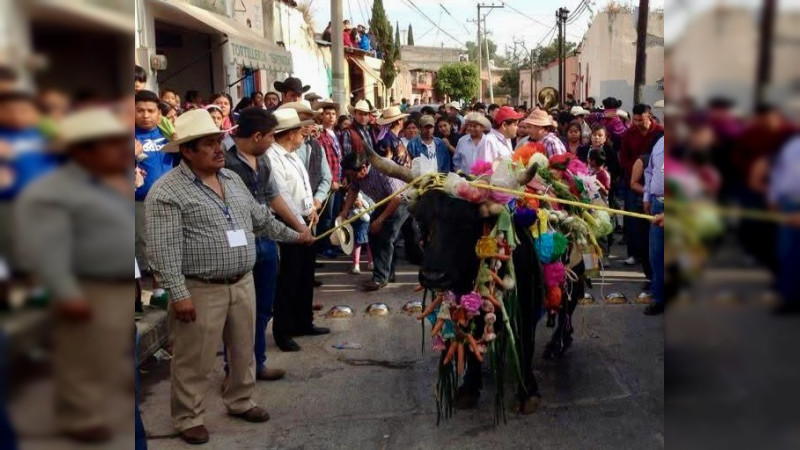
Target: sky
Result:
[[505, 25]]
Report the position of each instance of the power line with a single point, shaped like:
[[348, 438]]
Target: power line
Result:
[[413, 6], [451, 16], [529, 17], [578, 12]]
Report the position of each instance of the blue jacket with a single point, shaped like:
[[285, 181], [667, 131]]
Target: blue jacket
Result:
[[444, 160]]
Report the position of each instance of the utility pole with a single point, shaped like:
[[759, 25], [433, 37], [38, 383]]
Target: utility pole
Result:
[[561, 18], [480, 52], [339, 96], [488, 61], [533, 102], [641, 51], [764, 66]]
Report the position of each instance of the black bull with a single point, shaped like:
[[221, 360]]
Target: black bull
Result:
[[450, 228]]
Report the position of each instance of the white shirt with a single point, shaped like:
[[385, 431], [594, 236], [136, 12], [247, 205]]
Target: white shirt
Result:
[[496, 146], [466, 152], [292, 178]]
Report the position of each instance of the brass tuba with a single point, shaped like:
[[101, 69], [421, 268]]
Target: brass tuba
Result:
[[548, 98]]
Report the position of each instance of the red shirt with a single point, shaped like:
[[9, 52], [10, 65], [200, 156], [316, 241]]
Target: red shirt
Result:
[[346, 39], [636, 144]]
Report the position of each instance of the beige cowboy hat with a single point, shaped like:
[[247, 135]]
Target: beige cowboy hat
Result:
[[191, 125], [539, 118], [343, 237], [90, 125], [327, 102], [303, 107], [480, 119], [360, 105], [390, 115], [288, 119], [578, 111]]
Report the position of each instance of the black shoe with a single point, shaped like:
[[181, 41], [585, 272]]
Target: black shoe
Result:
[[315, 331], [654, 309], [392, 278], [288, 345], [317, 283]]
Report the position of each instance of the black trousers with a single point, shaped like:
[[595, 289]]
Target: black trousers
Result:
[[294, 296]]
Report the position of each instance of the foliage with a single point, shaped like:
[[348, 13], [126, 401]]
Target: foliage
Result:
[[382, 29], [457, 80], [410, 35], [472, 51], [520, 58]]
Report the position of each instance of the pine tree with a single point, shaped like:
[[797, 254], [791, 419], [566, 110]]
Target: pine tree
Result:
[[410, 35], [382, 29], [397, 35]]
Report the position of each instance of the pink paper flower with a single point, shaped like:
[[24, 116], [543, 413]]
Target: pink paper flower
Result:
[[472, 302], [554, 274], [577, 167], [481, 168]]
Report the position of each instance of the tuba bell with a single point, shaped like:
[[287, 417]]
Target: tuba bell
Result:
[[548, 98]]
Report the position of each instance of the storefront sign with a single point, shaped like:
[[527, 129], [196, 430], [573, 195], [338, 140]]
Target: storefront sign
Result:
[[251, 56]]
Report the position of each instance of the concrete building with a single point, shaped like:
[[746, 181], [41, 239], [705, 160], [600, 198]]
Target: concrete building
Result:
[[716, 55], [607, 57], [548, 77], [421, 64]]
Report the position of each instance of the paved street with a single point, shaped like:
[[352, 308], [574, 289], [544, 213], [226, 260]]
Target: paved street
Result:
[[606, 393]]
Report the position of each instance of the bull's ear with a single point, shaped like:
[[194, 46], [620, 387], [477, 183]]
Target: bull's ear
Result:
[[388, 167], [526, 177]]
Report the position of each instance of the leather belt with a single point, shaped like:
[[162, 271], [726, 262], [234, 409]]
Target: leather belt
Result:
[[226, 280]]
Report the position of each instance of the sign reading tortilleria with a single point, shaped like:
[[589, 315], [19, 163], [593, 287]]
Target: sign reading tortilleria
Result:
[[272, 59]]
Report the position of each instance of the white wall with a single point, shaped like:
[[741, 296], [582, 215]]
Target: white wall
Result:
[[308, 61]]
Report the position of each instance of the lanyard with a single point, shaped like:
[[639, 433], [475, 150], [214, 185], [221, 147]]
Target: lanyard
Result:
[[224, 208]]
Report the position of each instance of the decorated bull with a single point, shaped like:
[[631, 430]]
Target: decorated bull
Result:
[[483, 260]]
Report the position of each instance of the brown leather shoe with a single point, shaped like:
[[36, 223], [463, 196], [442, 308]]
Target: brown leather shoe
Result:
[[95, 435], [371, 286], [270, 374], [195, 436], [254, 415]]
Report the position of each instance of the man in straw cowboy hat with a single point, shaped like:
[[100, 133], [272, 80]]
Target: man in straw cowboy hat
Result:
[[295, 293], [359, 135], [390, 146], [73, 225], [471, 143], [202, 222], [253, 137], [542, 129]]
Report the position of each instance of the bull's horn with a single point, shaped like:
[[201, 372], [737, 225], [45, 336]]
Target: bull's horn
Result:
[[388, 167], [527, 176]]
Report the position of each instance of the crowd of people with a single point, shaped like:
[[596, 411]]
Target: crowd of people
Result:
[[355, 38]]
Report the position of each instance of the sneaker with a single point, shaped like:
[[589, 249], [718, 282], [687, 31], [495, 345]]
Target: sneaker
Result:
[[631, 261], [355, 270]]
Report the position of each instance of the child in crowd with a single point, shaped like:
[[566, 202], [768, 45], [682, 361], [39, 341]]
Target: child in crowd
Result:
[[361, 233], [597, 167]]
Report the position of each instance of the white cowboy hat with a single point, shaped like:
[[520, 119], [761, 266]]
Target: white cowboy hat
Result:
[[361, 105], [191, 125], [391, 114], [302, 107], [480, 119], [578, 111], [90, 125], [622, 113], [327, 102], [343, 237], [454, 105], [289, 120]]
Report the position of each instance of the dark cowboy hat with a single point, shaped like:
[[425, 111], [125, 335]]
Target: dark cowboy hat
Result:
[[291, 84]]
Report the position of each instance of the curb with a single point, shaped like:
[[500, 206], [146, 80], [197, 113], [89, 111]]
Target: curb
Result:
[[153, 331]]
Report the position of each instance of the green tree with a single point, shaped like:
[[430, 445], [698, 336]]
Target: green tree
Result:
[[410, 35], [457, 80], [472, 51], [382, 29], [544, 55]]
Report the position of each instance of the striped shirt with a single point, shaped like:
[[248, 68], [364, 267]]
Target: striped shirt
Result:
[[377, 185], [187, 228]]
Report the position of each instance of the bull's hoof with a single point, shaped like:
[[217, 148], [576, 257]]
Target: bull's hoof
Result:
[[530, 405], [466, 399]]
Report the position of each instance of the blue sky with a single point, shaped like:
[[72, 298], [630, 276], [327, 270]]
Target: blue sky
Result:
[[505, 25]]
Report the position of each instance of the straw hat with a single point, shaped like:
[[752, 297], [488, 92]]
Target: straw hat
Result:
[[361, 105], [192, 125], [480, 119], [343, 237], [539, 118], [90, 125], [288, 119], [325, 102], [454, 105], [390, 115], [622, 113], [303, 107], [578, 111]]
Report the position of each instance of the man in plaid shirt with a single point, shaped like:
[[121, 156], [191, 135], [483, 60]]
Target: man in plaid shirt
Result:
[[333, 152], [201, 223]]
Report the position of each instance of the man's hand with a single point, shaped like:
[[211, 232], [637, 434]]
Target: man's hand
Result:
[[376, 226], [313, 219], [184, 310], [659, 220], [306, 238], [317, 205], [335, 186], [74, 310], [647, 207]]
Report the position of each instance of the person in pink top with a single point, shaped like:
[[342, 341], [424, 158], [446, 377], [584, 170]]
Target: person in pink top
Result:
[[348, 42]]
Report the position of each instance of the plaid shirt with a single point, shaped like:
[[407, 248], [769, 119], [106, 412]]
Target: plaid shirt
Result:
[[333, 153], [187, 225], [377, 186], [553, 145]]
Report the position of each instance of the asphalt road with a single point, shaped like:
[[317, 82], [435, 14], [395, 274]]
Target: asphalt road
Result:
[[606, 393]]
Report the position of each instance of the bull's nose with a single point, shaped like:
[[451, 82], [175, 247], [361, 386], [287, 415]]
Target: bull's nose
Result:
[[434, 279]]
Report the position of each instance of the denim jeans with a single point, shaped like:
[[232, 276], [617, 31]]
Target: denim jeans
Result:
[[141, 434], [633, 203], [265, 273], [657, 252], [789, 254], [384, 244], [327, 218]]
